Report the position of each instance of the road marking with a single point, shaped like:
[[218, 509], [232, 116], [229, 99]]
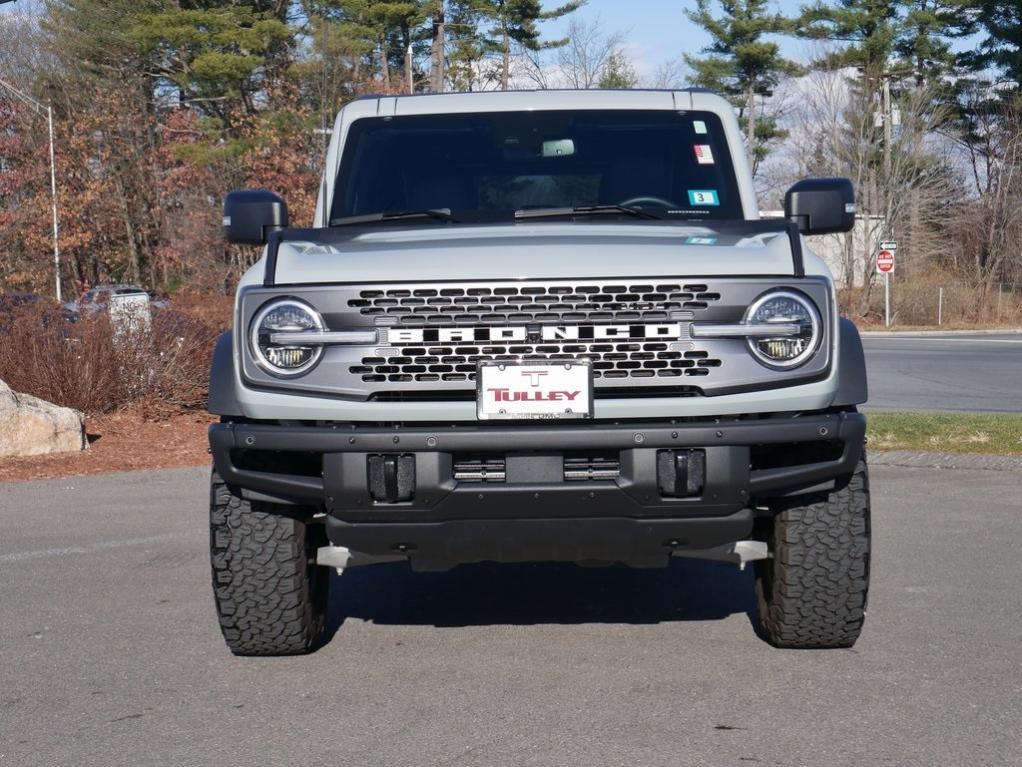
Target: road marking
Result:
[[23, 556], [916, 339]]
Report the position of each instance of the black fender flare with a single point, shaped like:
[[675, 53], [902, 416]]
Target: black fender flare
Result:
[[223, 399], [853, 388]]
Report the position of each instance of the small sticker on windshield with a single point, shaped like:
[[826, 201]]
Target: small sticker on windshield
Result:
[[704, 154], [699, 126], [703, 197], [700, 240]]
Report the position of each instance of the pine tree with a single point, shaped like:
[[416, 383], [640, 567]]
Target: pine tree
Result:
[[214, 49], [381, 31], [1001, 21], [867, 30], [742, 65], [517, 22], [618, 73], [466, 44], [923, 42]]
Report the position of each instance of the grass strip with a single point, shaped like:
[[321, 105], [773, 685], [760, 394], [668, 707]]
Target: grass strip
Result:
[[987, 433]]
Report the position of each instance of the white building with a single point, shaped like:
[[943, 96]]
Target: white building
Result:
[[851, 262]]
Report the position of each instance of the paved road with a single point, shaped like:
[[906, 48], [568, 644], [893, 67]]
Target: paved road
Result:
[[109, 654], [949, 372]]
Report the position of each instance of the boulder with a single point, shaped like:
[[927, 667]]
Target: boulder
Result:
[[31, 426]]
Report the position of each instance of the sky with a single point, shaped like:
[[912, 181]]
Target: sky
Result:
[[658, 30]]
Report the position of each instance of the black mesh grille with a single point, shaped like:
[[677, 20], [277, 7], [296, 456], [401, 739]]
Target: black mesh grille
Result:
[[553, 303], [610, 361]]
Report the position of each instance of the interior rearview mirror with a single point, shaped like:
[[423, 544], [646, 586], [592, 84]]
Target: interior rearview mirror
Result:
[[564, 147], [821, 205], [251, 214]]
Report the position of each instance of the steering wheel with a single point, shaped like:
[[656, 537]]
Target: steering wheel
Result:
[[649, 200]]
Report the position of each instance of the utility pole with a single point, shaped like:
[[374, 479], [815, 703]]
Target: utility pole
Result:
[[887, 128], [39, 109]]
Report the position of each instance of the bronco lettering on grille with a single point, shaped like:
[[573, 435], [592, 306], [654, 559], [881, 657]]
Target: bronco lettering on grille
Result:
[[670, 332]]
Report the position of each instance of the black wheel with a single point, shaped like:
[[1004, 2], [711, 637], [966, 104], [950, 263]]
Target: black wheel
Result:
[[270, 595], [812, 592]]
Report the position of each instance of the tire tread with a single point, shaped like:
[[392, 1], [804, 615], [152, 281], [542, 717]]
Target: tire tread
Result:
[[813, 593], [269, 600]]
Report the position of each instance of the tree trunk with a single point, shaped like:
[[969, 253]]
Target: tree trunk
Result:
[[436, 73], [750, 125], [409, 75], [134, 265], [505, 76], [384, 64]]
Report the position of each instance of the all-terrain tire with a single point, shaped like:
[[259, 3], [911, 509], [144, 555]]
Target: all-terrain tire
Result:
[[812, 593], [270, 595]]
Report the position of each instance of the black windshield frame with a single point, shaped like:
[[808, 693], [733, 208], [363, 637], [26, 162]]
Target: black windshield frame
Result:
[[485, 166]]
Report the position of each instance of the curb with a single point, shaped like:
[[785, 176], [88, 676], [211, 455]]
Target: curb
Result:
[[933, 460]]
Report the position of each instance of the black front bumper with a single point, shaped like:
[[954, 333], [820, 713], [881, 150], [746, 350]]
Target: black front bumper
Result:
[[535, 513]]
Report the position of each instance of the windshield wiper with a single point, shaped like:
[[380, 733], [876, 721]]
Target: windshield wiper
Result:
[[438, 214], [586, 210]]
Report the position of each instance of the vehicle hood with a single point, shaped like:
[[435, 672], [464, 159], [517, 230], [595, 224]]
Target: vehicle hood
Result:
[[548, 250]]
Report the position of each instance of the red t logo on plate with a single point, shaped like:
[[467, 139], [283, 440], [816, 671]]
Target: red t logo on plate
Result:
[[534, 376]]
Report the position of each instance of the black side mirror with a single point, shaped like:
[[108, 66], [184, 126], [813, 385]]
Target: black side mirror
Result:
[[251, 214], [821, 205]]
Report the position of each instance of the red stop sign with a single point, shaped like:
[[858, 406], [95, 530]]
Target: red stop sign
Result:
[[885, 261]]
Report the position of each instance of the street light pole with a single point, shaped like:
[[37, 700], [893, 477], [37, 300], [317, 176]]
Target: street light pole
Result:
[[53, 200], [39, 108]]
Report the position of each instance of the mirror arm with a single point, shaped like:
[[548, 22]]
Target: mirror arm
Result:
[[802, 222]]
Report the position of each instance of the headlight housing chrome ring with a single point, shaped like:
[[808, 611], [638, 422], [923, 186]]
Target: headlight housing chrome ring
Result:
[[787, 307], [285, 360]]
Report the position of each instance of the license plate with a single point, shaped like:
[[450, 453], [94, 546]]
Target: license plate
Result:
[[534, 390]]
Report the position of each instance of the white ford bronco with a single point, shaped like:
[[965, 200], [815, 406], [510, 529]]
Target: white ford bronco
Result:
[[538, 326]]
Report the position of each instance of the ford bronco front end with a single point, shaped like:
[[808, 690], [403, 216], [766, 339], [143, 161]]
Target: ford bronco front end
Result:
[[543, 326]]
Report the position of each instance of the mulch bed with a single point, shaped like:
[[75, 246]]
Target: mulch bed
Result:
[[122, 441]]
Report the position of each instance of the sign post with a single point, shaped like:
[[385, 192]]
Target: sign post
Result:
[[885, 265]]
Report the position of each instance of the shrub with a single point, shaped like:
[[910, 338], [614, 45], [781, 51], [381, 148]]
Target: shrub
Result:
[[97, 366]]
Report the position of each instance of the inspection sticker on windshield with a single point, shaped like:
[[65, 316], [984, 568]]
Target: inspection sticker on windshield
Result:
[[699, 126], [704, 154], [534, 390], [703, 197]]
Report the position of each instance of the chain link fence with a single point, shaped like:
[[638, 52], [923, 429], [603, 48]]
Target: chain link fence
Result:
[[934, 303]]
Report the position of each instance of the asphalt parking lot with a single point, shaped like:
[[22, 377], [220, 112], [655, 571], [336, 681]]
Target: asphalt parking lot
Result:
[[110, 655]]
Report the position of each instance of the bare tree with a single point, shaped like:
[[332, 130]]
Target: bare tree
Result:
[[988, 228], [582, 62], [903, 190], [667, 75], [531, 69]]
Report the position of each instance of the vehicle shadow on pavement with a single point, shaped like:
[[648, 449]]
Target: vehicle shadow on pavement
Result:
[[492, 594]]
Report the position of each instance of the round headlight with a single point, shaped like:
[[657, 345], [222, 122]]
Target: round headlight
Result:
[[290, 358], [784, 308]]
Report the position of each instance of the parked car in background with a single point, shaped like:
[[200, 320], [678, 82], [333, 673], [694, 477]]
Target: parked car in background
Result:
[[128, 305], [10, 302], [14, 303], [102, 297]]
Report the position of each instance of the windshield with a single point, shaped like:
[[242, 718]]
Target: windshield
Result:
[[484, 167]]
